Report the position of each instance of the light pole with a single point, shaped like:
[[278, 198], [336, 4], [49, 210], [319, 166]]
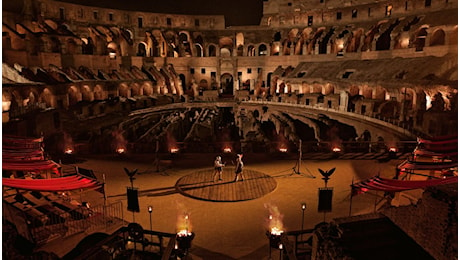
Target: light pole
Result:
[[150, 208], [281, 251], [303, 207]]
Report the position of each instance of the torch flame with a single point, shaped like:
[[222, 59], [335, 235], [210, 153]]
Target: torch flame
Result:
[[393, 149], [68, 151], [120, 150], [283, 150], [336, 149], [276, 231], [174, 150], [227, 150]]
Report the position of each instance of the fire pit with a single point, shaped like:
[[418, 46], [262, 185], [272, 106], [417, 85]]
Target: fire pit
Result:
[[184, 239]]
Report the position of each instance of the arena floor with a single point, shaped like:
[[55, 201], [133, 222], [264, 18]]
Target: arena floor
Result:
[[230, 219]]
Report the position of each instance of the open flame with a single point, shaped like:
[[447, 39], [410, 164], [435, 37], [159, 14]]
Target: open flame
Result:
[[283, 150], [336, 149], [68, 151], [275, 220], [393, 149], [174, 150], [227, 150], [121, 150], [184, 226]]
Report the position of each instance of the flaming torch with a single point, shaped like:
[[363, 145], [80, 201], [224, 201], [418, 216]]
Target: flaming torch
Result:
[[184, 236], [120, 150], [227, 149], [275, 227], [68, 150], [283, 150], [174, 150], [392, 152]]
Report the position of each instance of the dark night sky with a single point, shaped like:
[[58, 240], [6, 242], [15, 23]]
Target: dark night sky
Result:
[[236, 12]]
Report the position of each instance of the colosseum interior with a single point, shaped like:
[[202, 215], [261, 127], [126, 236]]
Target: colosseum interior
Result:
[[313, 75]]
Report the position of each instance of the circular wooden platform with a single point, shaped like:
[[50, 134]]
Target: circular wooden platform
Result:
[[199, 185]]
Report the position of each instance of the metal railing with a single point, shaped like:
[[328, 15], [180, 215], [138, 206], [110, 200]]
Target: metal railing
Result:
[[82, 219]]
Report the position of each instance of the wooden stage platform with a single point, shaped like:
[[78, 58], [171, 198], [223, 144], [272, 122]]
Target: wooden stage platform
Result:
[[199, 185]]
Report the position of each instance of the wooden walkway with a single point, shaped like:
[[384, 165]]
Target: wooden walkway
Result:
[[199, 185]]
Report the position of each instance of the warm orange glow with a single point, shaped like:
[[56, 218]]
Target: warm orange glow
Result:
[[283, 150], [227, 150], [120, 150], [276, 231], [174, 150], [184, 233], [68, 151], [393, 149], [336, 149]]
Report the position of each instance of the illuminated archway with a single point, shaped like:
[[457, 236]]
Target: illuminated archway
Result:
[[47, 97], [438, 38], [226, 83], [123, 90], [73, 95], [98, 93], [86, 93]]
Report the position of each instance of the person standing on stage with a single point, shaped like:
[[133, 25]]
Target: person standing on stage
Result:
[[239, 167], [218, 165]]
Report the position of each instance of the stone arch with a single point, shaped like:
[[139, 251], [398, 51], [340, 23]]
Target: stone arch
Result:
[[136, 90], [203, 84], [225, 52], [239, 39], [401, 41], [47, 97], [354, 41], [438, 37], [419, 38], [112, 47], [199, 50], [182, 80], [353, 91], [123, 90], [226, 83], [409, 97], [86, 93], [98, 92], [212, 50], [262, 50], [74, 95], [147, 89], [305, 88], [316, 88], [32, 98], [240, 50], [251, 51], [389, 109], [366, 91], [275, 49], [328, 89], [142, 48], [380, 93]]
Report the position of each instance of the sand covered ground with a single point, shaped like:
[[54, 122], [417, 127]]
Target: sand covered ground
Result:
[[234, 230]]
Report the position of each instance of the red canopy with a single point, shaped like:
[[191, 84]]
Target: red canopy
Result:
[[29, 165], [426, 153], [73, 182], [381, 184], [411, 165]]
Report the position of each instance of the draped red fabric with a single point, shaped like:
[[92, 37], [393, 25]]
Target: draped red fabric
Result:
[[391, 185], [412, 165], [74, 182], [15, 155], [29, 165], [422, 152]]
